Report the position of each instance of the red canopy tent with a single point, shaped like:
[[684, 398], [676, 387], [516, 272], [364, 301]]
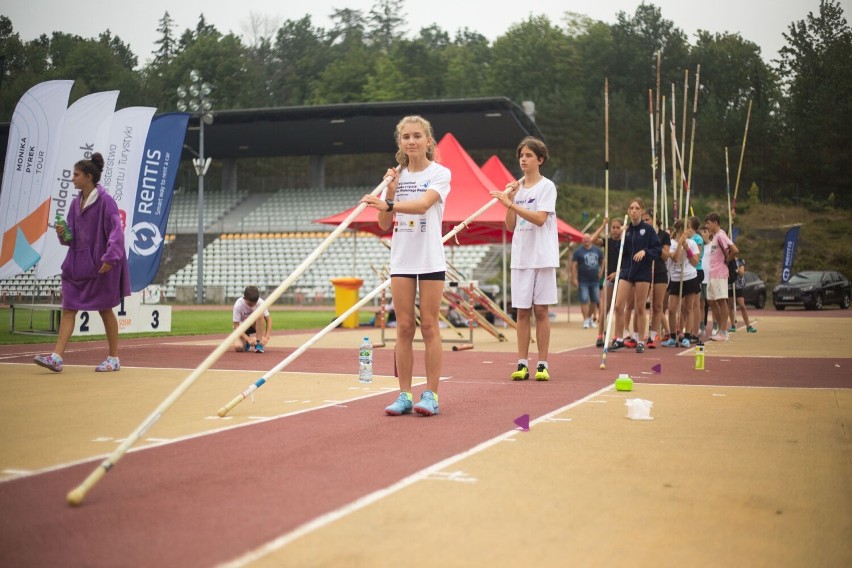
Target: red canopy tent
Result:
[[470, 190], [499, 175]]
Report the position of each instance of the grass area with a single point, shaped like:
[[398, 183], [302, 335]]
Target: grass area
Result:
[[184, 322]]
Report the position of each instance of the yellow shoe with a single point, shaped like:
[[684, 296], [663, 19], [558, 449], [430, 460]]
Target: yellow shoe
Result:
[[522, 374], [541, 373]]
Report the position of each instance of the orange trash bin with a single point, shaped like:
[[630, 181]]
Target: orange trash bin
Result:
[[346, 296]]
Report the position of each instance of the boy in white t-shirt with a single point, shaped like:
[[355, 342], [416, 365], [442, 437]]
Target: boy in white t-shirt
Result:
[[256, 336], [531, 215]]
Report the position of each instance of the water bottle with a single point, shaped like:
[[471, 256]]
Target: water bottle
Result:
[[60, 222], [365, 361], [699, 357]]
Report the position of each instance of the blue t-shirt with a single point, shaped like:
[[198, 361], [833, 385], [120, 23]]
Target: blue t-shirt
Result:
[[588, 263], [699, 240]]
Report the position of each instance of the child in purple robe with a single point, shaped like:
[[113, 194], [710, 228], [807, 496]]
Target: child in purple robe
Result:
[[95, 276]]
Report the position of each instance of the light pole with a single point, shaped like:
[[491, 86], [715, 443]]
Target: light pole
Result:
[[195, 98]]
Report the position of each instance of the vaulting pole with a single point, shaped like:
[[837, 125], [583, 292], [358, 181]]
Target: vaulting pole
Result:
[[75, 496], [293, 356], [740, 167]]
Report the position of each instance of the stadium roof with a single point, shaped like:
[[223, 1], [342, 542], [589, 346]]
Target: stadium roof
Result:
[[358, 128], [479, 124]]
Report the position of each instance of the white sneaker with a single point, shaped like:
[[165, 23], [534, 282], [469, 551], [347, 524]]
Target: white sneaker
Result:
[[586, 324]]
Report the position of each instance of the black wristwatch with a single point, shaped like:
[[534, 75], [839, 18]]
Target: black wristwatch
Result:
[[390, 204]]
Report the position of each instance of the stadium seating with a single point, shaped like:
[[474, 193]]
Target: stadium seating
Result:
[[266, 260], [276, 233]]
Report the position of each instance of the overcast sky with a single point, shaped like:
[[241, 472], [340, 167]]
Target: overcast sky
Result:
[[760, 21]]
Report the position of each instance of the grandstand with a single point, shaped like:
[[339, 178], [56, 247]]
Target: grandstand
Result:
[[235, 260], [260, 239], [183, 216], [295, 209]]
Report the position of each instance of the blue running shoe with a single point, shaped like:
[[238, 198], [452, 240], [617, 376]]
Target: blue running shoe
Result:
[[400, 406], [427, 405], [684, 342], [670, 342], [247, 347], [258, 348]]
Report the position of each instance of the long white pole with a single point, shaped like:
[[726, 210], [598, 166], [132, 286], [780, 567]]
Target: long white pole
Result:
[[614, 295], [76, 496], [293, 356]]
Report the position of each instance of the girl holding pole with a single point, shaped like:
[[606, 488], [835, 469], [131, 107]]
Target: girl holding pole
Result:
[[683, 260], [641, 248], [414, 206], [661, 281]]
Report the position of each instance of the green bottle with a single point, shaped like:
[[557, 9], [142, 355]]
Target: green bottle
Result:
[[60, 222]]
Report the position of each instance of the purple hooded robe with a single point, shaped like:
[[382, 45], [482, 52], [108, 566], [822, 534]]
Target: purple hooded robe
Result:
[[98, 237]]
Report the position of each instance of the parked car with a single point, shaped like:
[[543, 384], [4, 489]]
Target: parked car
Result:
[[813, 289], [754, 292]]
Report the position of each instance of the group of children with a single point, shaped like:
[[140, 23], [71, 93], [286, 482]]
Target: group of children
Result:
[[681, 273], [667, 268]]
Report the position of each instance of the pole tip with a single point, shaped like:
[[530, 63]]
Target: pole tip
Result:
[[75, 497]]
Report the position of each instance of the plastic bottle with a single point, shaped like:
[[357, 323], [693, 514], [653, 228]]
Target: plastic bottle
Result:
[[365, 361], [699, 357], [624, 382], [60, 222]]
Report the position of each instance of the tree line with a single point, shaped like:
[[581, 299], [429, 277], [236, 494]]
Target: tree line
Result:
[[800, 126]]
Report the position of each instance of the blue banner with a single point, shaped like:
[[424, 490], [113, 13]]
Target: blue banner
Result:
[[789, 253], [157, 175]]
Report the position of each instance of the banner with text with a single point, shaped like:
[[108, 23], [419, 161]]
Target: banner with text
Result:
[[84, 131], [157, 175], [122, 160], [24, 205], [790, 242]]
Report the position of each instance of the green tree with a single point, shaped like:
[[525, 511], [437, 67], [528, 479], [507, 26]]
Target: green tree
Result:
[[815, 67], [467, 60], [733, 74], [350, 61], [167, 42], [387, 21], [301, 52]]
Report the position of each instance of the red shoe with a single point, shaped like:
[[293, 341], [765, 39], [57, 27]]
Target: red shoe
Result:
[[649, 343], [630, 342]]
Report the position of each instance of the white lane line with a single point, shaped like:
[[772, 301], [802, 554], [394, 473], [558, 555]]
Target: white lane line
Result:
[[366, 500], [17, 472]]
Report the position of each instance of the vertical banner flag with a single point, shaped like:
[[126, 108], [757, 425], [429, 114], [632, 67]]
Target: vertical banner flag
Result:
[[84, 132], [789, 253], [33, 135], [157, 175], [122, 158]]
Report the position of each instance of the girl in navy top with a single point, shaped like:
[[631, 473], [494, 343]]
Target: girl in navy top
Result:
[[641, 248]]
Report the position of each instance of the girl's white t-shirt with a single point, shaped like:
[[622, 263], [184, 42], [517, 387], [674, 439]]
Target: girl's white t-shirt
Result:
[[689, 271], [418, 246], [532, 246]]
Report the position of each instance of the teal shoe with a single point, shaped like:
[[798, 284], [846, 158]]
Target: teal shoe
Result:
[[400, 406], [427, 405], [751, 329]]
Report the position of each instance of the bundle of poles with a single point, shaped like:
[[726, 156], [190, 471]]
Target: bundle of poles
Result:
[[76, 496], [681, 180]]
